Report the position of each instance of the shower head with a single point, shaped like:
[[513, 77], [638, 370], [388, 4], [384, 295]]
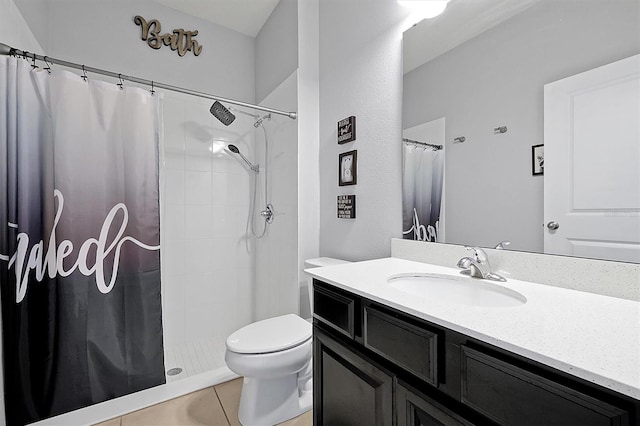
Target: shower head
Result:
[[234, 149], [220, 112]]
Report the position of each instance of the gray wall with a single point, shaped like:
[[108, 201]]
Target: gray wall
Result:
[[361, 75], [36, 13], [103, 34], [277, 48], [497, 79]]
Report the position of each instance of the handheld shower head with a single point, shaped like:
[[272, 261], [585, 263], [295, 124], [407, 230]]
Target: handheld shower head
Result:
[[220, 112], [261, 119], [234, 149]]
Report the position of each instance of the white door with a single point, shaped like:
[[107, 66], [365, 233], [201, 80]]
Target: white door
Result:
[[592, 163]]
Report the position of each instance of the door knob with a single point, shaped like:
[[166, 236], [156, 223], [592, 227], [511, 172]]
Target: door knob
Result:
[[553, 225]]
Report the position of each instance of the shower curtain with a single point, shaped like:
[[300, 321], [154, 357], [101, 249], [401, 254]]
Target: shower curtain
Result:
[[79, 241], [422, 181]]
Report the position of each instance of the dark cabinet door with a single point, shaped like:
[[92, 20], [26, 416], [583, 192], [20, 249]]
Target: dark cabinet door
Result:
[[347, 389], [415, 409]]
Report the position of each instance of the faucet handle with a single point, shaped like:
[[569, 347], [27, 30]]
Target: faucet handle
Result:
[[479, 255], [502, 245]]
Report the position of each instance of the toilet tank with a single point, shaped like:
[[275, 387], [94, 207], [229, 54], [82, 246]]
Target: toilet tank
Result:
[[306, 311]]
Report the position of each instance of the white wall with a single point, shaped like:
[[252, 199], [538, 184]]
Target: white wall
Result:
[[361, 75], [276, 287], [497, 79], [277, 48], [207, 261]]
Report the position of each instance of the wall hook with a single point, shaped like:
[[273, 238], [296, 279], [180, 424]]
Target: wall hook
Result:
[[501, 129], [84, 74], [459, 139]]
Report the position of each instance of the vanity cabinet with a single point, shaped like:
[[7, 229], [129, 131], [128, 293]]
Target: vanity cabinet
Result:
[[374, 365]]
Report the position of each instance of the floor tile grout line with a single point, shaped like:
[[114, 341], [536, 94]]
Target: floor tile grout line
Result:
[[224, 409]]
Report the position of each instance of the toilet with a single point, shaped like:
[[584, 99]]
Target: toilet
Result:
[[274, 357]]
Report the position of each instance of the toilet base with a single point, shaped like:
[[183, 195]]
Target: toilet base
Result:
[[265, 402]]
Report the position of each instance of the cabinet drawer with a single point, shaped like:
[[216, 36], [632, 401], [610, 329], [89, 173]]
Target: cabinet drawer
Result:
[[511, 395], [413, 409], [334, 309], [411, 347]]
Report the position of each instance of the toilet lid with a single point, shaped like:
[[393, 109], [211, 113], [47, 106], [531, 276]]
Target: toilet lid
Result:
[[270, 335]]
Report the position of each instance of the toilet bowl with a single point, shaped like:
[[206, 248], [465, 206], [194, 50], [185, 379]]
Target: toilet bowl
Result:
[[274, 357]]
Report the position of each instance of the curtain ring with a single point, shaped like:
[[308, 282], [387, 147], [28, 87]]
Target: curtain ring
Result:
[[48, 67], [33, 64], [152, 91], [121, 84], [84, 74]]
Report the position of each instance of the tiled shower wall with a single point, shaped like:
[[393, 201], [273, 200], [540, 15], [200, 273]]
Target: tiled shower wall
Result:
[[207, 261]]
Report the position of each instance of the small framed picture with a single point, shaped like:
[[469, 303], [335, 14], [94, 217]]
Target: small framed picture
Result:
[[347, 168], [537, 160]]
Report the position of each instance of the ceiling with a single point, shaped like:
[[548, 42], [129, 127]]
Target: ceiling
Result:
[[244, 16], [461, 21]]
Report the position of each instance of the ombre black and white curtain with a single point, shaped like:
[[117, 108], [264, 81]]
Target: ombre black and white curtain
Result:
[[422, 180], [79, 241]]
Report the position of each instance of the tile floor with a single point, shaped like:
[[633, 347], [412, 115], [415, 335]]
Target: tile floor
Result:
[[215, 406]]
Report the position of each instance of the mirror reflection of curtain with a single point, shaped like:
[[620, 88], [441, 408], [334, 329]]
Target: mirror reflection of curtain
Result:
[[423, 172]]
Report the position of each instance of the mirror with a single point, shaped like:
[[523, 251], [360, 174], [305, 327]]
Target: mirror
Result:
[[474, 82]]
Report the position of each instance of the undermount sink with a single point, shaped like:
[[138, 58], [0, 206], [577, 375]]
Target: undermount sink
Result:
[[456, 289]]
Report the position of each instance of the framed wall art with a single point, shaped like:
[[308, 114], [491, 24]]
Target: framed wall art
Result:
[[537, 159], [348, 168]]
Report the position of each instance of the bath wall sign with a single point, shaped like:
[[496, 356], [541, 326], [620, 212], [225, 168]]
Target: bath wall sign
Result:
[[179, 39], [346, 206], [347, 130]]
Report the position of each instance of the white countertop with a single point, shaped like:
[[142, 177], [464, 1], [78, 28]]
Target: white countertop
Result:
[[594, 337]]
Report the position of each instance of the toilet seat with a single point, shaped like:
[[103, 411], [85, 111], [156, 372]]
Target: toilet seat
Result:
[[270, 335]]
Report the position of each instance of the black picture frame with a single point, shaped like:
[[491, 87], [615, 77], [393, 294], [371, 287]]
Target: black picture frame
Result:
[[348, 168], [537, 160]]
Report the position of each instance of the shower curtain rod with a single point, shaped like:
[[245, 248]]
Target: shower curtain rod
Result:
[[430, 145], [8, 50]]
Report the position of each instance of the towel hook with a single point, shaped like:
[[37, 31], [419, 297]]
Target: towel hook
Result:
[[459, 139], [84, 74], [501, 129]]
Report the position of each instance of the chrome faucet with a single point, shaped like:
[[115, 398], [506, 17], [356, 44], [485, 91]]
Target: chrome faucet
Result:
[[478, 265]]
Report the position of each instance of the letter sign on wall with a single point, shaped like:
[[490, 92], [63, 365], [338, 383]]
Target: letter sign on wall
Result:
[[180, 40], [347, 130], [346, 206]]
